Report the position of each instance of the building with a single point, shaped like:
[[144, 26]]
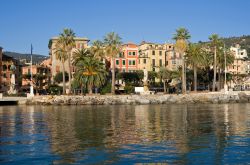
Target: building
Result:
[[128, 59], [1, 67], [153, 56], [56, 65], [41, 75], [6, 63], [241, 64]]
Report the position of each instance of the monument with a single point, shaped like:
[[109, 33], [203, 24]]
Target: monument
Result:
[[145, 80], [12, 81]]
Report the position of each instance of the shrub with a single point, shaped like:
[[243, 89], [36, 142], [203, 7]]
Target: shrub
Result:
[[106, 89]]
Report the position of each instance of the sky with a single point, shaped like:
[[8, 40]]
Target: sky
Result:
[[26, 22]]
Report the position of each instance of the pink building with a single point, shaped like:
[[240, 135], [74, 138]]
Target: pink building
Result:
[[128, 59]]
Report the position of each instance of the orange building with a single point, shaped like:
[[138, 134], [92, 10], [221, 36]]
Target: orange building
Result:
[[43, 69], [128, 59]]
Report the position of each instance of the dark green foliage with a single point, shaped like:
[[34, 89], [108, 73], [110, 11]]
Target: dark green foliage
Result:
[[131, 77], [129, 88], [106, 89], [55, 89], [59, 77], [151, 76]]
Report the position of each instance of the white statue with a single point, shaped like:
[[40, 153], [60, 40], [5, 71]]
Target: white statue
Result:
[[145, 80], [12, 80]]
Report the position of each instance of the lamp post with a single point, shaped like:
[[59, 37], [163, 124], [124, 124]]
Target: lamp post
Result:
[[31, 83], [225, 71]]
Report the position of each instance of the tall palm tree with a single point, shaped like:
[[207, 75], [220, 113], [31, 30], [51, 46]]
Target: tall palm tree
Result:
[[112, 42], [215, 43], [90, 71], [97, 49], [61, 55], [66, 39], [181, 37], [195, 59], [165, 75]]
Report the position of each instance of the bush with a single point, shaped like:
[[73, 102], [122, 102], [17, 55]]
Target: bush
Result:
[[129, 88], [106, 89], [59, 77], [55, 89]]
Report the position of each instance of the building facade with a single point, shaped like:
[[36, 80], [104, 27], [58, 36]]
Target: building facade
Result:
[[128, 59], [6, 63], [153, 56], [241, 63], [56, 65]]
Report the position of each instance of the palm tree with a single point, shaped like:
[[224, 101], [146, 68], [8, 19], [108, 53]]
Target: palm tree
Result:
[[195, 59], [97, 49], [181, 37], [165, 75], [89, 70], [112, 42], [61, 55], [214, 44], [66, 39]]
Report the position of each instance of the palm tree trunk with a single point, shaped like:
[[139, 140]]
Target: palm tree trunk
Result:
[[183, 76], [63, 71], [214, 80], [90, 89], [164, 85], [195, 78], [69, 61], [219, 79], [113, 77]]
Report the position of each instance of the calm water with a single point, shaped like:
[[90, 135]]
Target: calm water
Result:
[[176, 134]]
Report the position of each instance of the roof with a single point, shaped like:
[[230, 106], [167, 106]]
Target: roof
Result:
[[76, 38]]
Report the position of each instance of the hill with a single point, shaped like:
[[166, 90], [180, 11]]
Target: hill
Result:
[[243, 41], [25, 58]]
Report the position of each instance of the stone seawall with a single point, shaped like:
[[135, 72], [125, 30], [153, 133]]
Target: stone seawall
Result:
[[212, 97]]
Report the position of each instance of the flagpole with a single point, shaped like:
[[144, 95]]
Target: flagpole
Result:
[[31, 83]]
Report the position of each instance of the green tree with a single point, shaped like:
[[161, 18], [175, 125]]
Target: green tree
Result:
[[61, 55], [112, 42], [181, 37], [195, 58], [90, 71], [67, 42], [166, 76], [215, 43], [97, 49]]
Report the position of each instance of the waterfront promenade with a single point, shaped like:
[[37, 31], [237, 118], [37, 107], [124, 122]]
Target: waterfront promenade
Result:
[[192, 98]]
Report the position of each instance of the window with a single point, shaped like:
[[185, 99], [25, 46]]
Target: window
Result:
[[144, 61], [133, 62], [153, 52], [173, 62], [153, 62], [160, 53], [117, 62], [160, 62], [130, 53], [130, 62], [28, 71], [4, 75], [153, 69], [166, 64], [123, 62], [133, 53]]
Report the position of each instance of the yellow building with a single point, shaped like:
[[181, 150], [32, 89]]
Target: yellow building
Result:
[[153, 56], [56, 65]]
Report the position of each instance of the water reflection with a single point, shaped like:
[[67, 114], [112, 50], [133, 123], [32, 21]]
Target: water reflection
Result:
[[195, 134]]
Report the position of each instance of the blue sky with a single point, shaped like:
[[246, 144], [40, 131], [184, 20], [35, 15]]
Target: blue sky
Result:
[[35, 21]]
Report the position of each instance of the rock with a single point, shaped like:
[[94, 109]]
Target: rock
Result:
[[243, 97]]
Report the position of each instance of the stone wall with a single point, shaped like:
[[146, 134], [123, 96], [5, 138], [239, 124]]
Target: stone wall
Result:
[[213, 97]]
